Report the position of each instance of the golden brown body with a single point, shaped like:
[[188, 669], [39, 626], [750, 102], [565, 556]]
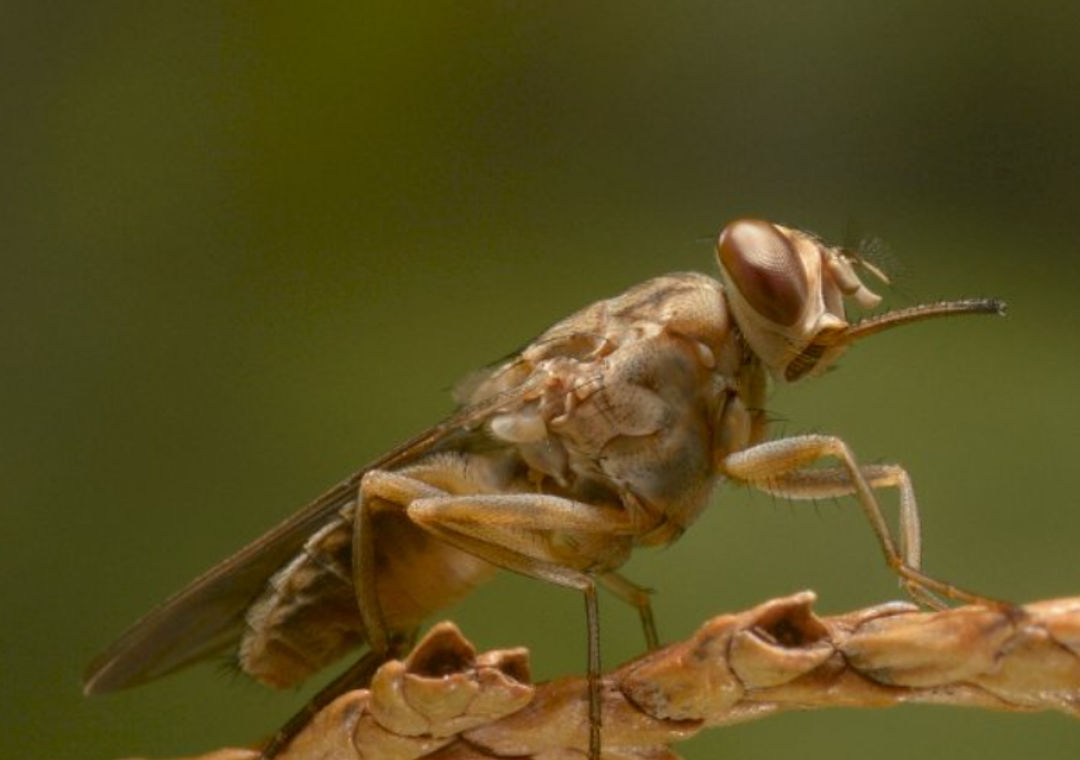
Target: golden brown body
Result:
[[627, 396], [609, 431]]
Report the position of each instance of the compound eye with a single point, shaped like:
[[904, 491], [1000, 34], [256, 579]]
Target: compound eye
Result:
[[762, 263]]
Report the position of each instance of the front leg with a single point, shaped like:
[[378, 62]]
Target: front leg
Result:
[[781, 467], [831, 482]]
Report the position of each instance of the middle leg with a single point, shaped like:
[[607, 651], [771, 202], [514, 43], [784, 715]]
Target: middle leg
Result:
[[543, 537]]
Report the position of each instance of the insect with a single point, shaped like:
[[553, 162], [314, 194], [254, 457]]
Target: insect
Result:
[[608, 432]]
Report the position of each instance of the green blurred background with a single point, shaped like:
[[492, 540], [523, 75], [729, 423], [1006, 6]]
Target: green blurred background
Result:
[[247, 247]]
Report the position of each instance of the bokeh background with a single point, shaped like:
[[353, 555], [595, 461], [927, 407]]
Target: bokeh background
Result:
[[247, 247]]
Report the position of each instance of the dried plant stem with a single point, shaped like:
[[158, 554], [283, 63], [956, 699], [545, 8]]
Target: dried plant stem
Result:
[[445, 702]]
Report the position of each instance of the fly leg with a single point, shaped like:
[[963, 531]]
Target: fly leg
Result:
[[833, 482], [780, 467], [536, 535], [383, 645], [636, 596], [358, 675], [369, 497]]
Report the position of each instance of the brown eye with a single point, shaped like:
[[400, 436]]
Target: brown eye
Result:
[[763, 265]]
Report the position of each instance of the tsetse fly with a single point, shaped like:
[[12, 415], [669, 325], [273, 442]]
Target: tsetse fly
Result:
[[609, 431]]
